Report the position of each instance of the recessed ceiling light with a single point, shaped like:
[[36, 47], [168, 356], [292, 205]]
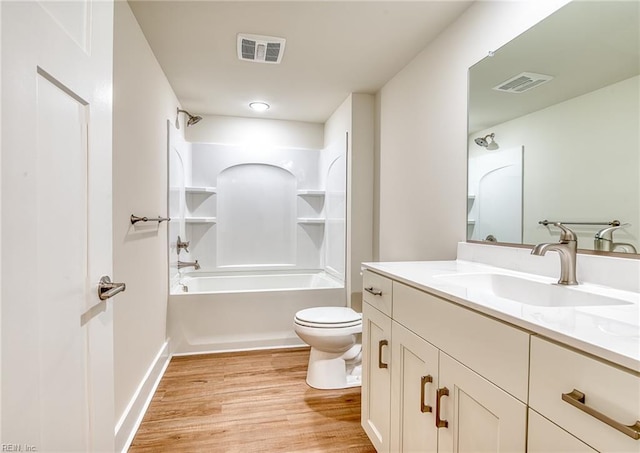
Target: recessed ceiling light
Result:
[[259, 106]]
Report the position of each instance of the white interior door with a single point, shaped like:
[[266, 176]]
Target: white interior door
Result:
[[57, 336]]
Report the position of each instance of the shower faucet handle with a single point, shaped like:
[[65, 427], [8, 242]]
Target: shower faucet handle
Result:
[[182, 245]]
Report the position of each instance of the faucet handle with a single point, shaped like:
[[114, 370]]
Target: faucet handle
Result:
[[607, 233], [182, 245], [566, 234]]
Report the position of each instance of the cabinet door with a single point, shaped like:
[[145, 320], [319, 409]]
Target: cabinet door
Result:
[[547, 437], [414, 377], [476, 416], [376, 376]]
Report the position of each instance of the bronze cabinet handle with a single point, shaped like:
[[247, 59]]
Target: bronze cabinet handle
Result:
[[439, 394], [375, 292], [577, 399], [382, 344], [423, 381]]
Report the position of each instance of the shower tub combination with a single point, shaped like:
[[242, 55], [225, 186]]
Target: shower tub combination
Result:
[[238, 311], [267, 226]]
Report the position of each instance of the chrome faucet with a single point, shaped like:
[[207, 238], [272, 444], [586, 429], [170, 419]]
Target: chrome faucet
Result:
[[566, 248], [604, 240], [182, 264]]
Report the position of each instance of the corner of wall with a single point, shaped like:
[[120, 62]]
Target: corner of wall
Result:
[[360, 187], [376, 179], [143, 102]]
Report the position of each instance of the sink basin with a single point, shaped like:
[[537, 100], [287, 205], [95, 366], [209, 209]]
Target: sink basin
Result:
[[530, 292]]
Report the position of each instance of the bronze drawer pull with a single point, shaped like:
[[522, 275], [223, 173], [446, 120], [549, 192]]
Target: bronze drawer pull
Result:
[[375, 292], [423, 381], [577, 399], [439, 394], [382, 344]]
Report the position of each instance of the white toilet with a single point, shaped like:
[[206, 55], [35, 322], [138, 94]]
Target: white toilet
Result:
[[335, 361]]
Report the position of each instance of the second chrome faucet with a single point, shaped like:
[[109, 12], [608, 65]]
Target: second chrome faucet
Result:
[[566, 248]]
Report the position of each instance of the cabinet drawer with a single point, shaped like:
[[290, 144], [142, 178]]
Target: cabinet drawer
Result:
[[377, 291], [609, 390], [545, 437], [492, 349]]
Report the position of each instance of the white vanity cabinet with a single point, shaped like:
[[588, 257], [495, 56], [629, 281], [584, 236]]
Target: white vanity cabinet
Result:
[[434, 402], [439, 376], [440, 405]]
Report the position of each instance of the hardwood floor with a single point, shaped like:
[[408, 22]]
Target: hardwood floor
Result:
[[247, 402]]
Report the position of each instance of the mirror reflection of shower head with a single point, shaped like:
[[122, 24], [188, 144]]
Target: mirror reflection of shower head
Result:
[[192, 119], [488, 141]]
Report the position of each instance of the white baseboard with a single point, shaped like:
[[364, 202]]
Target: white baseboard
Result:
[[130, 421], [227, 344], [224, 350]]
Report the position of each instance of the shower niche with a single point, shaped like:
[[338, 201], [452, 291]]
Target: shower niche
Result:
[[250, 209], [201, 204]]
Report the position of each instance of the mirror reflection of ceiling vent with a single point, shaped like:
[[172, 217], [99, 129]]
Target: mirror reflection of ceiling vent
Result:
[[260, 49], [522, 82]]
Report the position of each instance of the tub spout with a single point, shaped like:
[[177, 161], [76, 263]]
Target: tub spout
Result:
[[183, 264]]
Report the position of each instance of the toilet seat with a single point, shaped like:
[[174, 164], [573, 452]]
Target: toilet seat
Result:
[[328, 317]]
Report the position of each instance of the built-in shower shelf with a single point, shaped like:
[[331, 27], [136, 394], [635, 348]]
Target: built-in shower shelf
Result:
[[200, 189], [311, 193], [471, 222], [307, 221], [200, 219]]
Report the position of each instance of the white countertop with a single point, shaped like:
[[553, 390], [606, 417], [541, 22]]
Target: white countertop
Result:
[[609, 332]]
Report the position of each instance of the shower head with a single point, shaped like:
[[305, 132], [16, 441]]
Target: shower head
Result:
[[481, 142], [192, 119], [488, 141]]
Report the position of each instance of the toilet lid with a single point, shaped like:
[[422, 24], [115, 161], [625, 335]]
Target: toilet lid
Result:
[[328, 317]]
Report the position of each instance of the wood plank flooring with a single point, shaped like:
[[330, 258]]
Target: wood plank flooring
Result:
[[248, 402]]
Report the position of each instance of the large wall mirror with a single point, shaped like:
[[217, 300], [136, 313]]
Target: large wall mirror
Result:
[[554, 131]]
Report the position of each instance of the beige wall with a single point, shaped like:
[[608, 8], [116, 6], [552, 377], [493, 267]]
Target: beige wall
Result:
[[360, 167], [421, 186], [143, 102], [247, 131], [355, 116]]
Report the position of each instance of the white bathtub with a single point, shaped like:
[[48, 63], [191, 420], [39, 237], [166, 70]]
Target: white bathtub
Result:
[[231, 312], [234, 283]]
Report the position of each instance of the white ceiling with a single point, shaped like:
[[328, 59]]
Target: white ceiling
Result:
[[333, 48]]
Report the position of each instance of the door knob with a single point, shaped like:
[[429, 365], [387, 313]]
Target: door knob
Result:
[[107, 288]]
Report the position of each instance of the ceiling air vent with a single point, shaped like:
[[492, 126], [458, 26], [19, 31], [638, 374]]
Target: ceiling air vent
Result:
[[522, 82], [260, 49]]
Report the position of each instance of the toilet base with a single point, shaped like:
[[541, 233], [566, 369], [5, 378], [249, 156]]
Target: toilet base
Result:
[[328, 370]]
